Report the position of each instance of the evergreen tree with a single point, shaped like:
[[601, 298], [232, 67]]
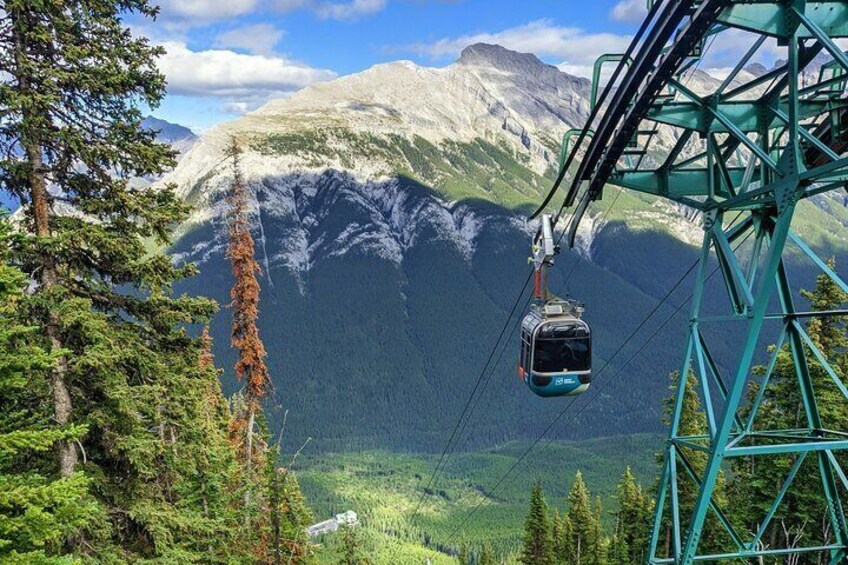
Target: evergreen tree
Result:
[[487, 557], [214, 468], [250, 367], [633, 521], [351, 548], [756, 481], [584, 543], [128, 397], [693, 422], [568, 551], [292, 516], [538, 544], [39, 510], [619, 552], [599, 551], [558, 537]]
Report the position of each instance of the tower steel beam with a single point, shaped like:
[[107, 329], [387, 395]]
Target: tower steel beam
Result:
[[758, 148]]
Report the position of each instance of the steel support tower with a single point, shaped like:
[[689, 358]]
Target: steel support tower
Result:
[[745, 153]]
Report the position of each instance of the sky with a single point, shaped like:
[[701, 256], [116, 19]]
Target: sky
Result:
[[227, 57]]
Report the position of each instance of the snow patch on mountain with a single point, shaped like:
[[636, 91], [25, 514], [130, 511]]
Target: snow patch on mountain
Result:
[[346, 147], [587, 231], [680, 221], [293, 216]]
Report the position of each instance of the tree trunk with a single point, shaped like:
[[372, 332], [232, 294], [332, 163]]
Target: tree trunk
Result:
[[48, 276], [248, 461], [251, 420], [579, 549]]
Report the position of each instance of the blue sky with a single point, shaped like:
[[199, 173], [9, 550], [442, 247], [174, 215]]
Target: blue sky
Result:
[[226, 57]]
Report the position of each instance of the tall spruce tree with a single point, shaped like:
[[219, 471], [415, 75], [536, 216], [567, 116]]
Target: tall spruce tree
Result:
[[558, 536], [248, 430], [127, 393], [250, 367], [585, 541], [567, 552], [538, 546], [633, 521], [756, 481], [39, 510], [599, 551]]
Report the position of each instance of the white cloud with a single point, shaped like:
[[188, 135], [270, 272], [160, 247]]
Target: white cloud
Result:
[[727, 48], [208, 10], [236, 108], [576, 48], [633, 11], [242, 81], [258, 39], [348, 10], [196, 13]]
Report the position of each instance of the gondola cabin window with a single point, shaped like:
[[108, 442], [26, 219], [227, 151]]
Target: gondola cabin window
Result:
[[562, 349]]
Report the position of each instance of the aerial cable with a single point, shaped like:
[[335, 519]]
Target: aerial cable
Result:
[[506, 344], [518, 320], [638, 351], [600, 390], [445, 455], [594, 113], [573, 400], [439, 465], [492, 370]]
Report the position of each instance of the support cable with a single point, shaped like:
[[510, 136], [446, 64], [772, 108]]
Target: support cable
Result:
[[439, 465], [515, 326], [595, 111], [462, 421], [604, 386]]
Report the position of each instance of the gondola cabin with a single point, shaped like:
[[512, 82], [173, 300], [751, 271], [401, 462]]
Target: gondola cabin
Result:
[[556, 350]]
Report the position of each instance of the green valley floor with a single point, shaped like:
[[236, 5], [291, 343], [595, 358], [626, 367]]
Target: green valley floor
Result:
[[384, 489]]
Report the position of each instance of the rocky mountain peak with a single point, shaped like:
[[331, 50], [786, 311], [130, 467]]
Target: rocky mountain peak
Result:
[[168, 131], [502, 58], [756, 69], [179, 137]]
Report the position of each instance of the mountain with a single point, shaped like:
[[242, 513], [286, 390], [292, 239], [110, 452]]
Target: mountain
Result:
[[389, 215], [179, 137], [444, 125]]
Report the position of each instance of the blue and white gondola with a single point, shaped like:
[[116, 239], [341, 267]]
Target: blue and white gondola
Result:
[[556, 350]]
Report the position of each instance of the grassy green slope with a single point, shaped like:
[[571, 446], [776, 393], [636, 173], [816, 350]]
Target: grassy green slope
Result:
[[384, 489], [486, 169], [493, 171]]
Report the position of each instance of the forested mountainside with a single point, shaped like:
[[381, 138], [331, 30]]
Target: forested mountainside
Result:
[[389, 212]]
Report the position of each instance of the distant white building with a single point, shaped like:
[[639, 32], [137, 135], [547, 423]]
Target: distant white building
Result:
[[348, 518]]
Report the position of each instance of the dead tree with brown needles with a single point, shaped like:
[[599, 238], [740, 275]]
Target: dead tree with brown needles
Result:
[[250, 367]]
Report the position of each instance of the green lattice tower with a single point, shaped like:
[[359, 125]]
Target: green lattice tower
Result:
[[745, 155]]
